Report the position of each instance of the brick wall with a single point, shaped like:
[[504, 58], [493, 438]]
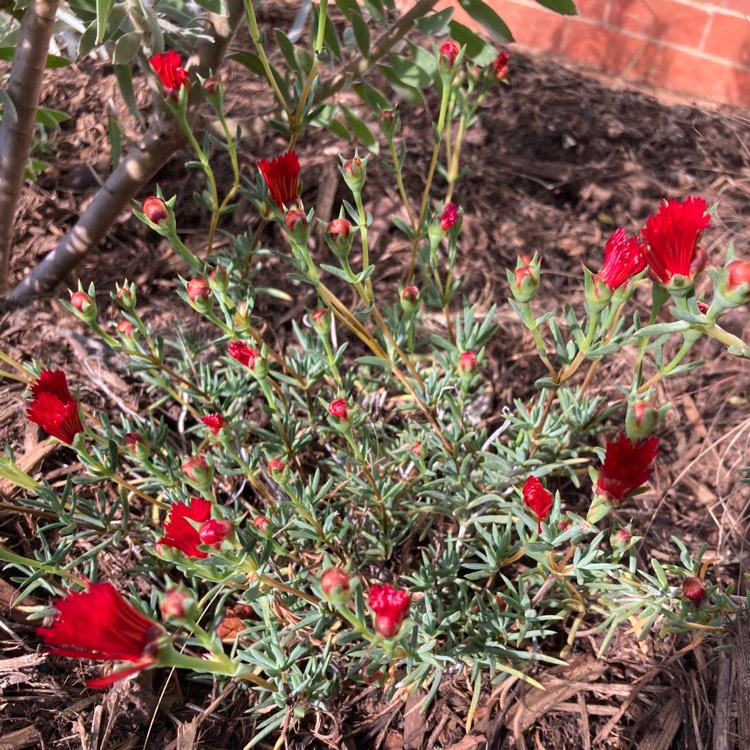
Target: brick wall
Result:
[[699, 47]]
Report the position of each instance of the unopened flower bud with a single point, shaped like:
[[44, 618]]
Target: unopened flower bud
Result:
[[199, 473], [524, 281], [354, 171], [244, 354], [339, 409], [339, 237], [199, 292], [564, 524], [262, 524], [125, 296], [418, 449], [219, 279], [409, 298], [176, 603], [321, 320], [296, 224], [448, 54], [499, 67], [467, 362], [155, 210], [82, 302], [211, 85], [137, 445], [621, 539], [215, 532], [276, 468], [693, 589], [126, 329], [733, 285], [335, 585], [641, 420], [389, 122], [449, 217]]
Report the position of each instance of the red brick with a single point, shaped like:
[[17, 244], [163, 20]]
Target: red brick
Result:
[[596, 10], [605, 48], [729, 38], [738, 6], [671, 21], [533, 26]]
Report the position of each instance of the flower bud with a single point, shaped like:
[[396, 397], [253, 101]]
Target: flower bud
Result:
[[214, 422], [338, 237], [199, 291], [126, 329], [137, 445], [339, 409], [388, 120], [335, 585], [277, 469], [449, 217], [176, 603], [219, 279], [215, 532], [82, 302], [354, 171], [244, 354], [390, 607], [524, 281], [199, 473], [155, 210], [125, 296], [467, 362], [211, 85], [262, 524], [621, 539], [296, 224], [693, 589], [448, 54], [641, 420], [733, 285], [499, 67], [418, 450], [321, 320], [409, 298]]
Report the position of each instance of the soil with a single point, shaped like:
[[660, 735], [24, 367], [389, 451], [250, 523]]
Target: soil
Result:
[[557, 161]]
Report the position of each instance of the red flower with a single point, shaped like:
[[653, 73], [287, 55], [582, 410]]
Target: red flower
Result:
[[282, 177], [179, 533], [53, 408], [214, 422], [623, 259], [449, 52], [244, 354], [339, 408], [693, 589], [537, 499], [500, 66], [99, 624], [671, 238], [390, 607], [627, 466], [449, 217], [172, 75]]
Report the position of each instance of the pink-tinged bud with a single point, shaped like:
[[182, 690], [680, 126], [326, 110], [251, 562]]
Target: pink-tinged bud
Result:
[[220, 278], [175, 604], [320, 317], [126, 296], [354, 173], [449, 217], [410, 294], [262, 524], [524, 280], [499, 67], [339, 409], [693, 589], [335, 585], [703, 307], [564, 524], [211, 85], [136, 444], [155, 210], [276, 468], [738, 274], [389, 121], [81, 301], [198, 472], [641, 420], [733, 284], [418, 449], [126, 328], [296, 221], [339, 228], [449, 52], [467, 362], [198, 289], [215, 532], [244, 354], [214, 422], [622, 538]]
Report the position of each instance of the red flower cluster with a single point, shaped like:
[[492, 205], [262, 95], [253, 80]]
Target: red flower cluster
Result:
[[99, 624], [244, 354], [623, 259], [390, 607], [179, 533], [53, 408], [537, 499], [282, 177], [172, 75], [671, 239], [627, 466]]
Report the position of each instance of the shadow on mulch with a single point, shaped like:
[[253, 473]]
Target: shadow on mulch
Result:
[[556, 162]]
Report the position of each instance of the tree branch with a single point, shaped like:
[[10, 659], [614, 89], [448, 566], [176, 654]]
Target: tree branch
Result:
[[17, 126], [160, 142]]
